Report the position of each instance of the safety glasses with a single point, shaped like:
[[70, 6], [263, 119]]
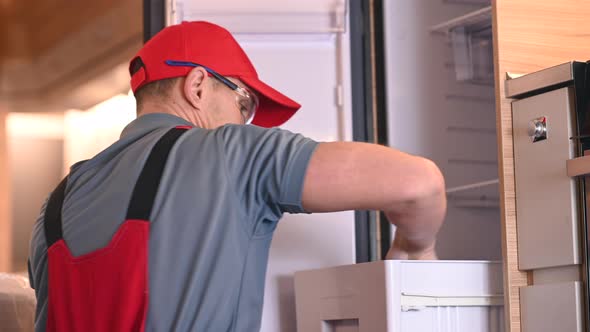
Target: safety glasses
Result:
[[247, 101]]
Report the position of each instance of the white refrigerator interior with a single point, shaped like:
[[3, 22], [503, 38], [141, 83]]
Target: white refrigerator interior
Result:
[[300, 48], [440, 100], [441, 105]]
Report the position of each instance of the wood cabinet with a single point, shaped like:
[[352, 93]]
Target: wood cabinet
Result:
[[528, 36]]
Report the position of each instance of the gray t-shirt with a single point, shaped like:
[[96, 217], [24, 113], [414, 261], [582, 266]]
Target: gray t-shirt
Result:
[[221, 196]]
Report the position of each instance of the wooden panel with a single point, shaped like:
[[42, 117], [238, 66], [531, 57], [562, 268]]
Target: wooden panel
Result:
[[529, 35], [53, 80], [5, 206], [72, 16], [30, 27], [109, 36], [578, 166]]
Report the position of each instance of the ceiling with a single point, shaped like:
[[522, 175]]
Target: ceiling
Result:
[[63, 54]]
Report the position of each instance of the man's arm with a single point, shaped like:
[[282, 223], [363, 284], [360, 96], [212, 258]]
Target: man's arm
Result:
[[358, 176]]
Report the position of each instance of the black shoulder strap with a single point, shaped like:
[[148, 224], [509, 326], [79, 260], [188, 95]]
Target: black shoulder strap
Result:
[[52, 221], [143, 195], [146, 188]]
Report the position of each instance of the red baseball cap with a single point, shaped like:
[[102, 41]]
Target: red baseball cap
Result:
[[214, 47]]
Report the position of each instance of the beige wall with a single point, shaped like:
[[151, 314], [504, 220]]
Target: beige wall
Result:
[[86, 133], [5, 202], [35, 173], [35, 151]]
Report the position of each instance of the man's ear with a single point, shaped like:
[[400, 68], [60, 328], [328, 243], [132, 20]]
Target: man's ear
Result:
[[194, 85]]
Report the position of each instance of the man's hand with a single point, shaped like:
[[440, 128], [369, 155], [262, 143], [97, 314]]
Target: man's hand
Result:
[[400, 249]]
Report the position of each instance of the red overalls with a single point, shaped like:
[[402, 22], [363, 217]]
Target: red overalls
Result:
[[107, 289]]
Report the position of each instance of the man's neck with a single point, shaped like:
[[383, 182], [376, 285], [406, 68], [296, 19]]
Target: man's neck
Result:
[[190, 115]]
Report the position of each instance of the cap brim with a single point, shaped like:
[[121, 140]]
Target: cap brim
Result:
[[275, 108]]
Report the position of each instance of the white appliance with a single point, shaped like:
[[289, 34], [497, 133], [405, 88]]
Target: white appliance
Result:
[[401, 296]]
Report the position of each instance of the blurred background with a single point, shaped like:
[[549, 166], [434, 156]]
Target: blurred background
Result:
[[64, 96]]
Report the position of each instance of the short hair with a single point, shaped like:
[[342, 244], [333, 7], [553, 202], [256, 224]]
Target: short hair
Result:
[[160, 88]]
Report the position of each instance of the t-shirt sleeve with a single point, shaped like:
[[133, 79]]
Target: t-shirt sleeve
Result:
[[267, 168]]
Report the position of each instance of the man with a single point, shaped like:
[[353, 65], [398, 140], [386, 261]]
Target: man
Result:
[[209, 190]]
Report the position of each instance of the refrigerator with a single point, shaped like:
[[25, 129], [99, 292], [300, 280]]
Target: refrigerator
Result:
[[349, 64]]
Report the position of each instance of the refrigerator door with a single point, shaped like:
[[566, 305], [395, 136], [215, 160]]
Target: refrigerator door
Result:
[[302, 49], [546, 197]]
